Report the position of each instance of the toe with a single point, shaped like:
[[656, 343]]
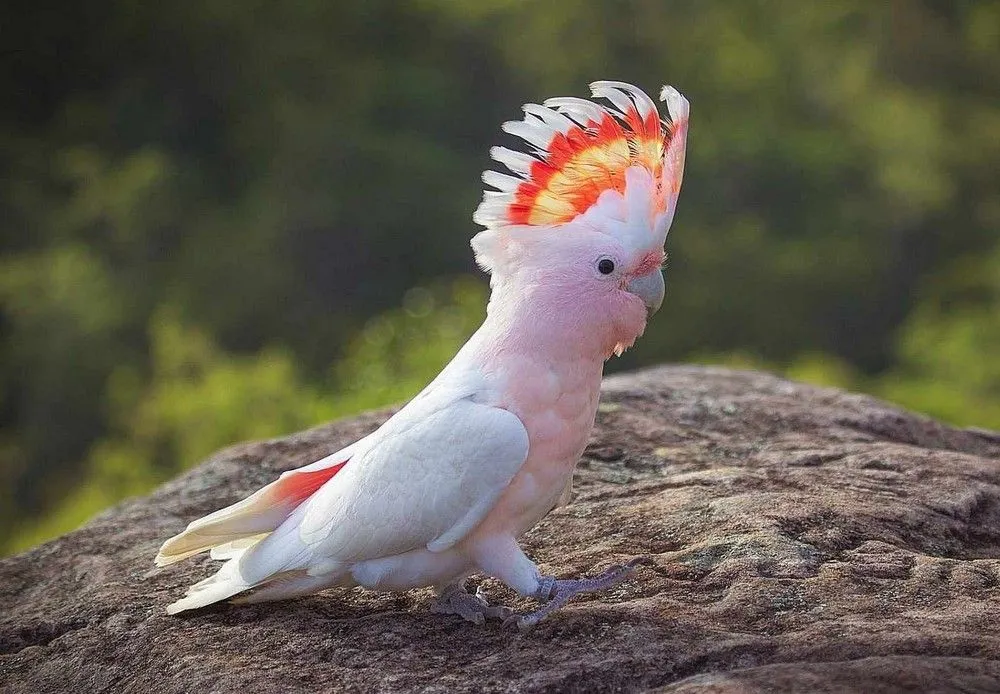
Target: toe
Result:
[[498, 612], [520, 622], [476, 618]]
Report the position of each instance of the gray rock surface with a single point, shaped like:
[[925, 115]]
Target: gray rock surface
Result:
[[802, 539]]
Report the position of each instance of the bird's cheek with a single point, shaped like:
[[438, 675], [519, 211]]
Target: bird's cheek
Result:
[[631, 315]]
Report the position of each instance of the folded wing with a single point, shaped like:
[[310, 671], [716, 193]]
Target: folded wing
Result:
[[424, 483]]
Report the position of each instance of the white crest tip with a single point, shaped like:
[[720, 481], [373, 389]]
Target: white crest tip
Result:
[[677, 106]]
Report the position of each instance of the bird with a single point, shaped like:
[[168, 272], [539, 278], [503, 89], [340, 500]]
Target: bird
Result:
[[573, 241]]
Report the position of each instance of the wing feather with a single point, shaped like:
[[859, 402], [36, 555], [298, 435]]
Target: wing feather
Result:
[[424, 483]]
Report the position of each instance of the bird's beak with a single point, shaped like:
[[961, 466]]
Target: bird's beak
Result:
[[650, 289]]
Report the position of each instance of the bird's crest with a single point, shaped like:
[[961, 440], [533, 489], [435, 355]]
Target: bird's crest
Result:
[[581, 152]]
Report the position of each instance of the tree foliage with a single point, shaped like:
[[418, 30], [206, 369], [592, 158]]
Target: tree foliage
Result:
[[204, 204]]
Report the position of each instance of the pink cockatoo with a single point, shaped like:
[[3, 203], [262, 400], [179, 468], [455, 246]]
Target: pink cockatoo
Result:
[[573, 242]]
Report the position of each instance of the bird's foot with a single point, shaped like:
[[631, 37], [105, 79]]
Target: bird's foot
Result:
[[557, 592], [454, 599]]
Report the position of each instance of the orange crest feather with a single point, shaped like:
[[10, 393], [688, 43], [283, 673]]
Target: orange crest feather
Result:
[[580, 149]]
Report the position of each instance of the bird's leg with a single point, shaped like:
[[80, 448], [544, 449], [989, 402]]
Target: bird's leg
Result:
[[455, 599], [557, 592]]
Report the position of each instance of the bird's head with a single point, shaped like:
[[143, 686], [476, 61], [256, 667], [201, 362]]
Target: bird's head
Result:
[[580, 221]]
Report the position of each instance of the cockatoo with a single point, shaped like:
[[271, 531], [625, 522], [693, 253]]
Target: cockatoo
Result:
[[573, 243]]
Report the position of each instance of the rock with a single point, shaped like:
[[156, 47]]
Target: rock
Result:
[[802, 539]]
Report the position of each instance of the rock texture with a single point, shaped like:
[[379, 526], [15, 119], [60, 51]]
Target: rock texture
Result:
[[801, 539]]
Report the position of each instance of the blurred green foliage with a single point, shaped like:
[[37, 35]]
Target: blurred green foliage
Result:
[[949, 348], [198, 399], [203, 205]]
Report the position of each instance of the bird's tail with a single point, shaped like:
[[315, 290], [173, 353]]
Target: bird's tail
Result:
[[257, 536], [240, 525], [225, 583], [274, 566]]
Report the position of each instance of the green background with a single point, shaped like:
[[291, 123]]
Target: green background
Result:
[[227, 220]]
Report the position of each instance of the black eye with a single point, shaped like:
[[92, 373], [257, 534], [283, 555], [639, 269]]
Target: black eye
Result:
[[606, 266]]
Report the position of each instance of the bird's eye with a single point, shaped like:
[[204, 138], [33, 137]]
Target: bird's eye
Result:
[[606, 266]]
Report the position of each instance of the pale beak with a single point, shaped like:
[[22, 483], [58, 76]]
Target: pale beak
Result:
[[650, 289]]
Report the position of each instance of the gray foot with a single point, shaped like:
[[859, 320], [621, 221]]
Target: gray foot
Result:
[[454, 599], [559, 591]]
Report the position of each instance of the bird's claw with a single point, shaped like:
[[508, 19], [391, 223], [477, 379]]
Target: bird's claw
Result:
[[471, 607], [557, 592], [553, 591], [520, 622]]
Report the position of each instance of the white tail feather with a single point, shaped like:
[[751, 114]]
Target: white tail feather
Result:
[[225, 583], [233, 549], [251, 562], [249, 519], [293, 584]]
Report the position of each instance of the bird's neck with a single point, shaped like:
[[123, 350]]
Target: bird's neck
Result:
[[526, 323]]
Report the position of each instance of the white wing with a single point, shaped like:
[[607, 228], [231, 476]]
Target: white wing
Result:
[[426, 479]]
